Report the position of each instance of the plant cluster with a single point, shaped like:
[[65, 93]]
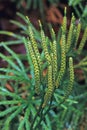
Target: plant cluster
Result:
[[46, 91]]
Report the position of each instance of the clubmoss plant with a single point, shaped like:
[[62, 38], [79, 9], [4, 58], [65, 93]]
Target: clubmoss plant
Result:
[[39, 100]]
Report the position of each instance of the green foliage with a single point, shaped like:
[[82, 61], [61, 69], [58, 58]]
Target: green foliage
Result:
[[39, 100], [74, 3], [80, 8]]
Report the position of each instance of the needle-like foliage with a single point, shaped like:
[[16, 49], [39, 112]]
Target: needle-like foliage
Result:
[[46, 91]]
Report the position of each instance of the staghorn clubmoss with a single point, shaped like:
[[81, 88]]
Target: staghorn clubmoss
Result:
[[77, 33], [50, 88], [55, 57], [45, 48], [34, 45], [63, 62], [34, 109], [82, 43], [53, 69], [71, 34], [69, 38], [71, 82], [73, 20], [36, 68], [64, 23]]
